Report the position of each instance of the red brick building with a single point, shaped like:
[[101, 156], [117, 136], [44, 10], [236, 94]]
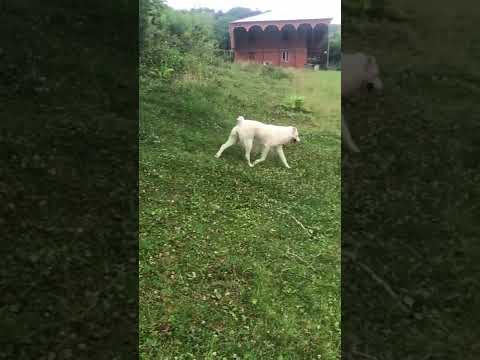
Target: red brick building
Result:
[[280, 40]]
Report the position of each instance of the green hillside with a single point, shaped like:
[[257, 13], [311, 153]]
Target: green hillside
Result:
[[238, 262]]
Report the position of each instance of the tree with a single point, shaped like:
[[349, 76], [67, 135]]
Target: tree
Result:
[[222, 20], [143, 9], [335, 39]]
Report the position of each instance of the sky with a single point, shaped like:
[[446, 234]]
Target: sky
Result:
[[318, 8]]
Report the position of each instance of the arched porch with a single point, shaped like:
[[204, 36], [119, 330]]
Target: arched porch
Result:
[[288, 43]]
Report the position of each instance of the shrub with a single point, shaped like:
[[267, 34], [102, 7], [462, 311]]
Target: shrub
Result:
[[298, 103], [275, 72], [295, 103]]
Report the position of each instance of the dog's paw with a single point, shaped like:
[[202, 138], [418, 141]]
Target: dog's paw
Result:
[[251, 165], [217, 156]]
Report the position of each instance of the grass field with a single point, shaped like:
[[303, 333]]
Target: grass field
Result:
[[239, 263]]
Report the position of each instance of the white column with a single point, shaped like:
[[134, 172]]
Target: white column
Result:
[[232, 37]]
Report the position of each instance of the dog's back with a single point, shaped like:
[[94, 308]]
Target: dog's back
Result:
[[241, 121], [247, 128]]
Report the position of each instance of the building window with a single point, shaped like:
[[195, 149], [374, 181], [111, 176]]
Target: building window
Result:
[[251, 37], [285, 56]]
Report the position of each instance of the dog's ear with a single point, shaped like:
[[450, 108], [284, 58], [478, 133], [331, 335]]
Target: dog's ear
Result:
[[294, 130]]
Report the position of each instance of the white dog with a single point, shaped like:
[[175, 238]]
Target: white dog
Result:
[[359, 71], [269, 136]]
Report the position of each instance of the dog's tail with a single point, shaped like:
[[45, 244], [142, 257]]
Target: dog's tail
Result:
[[240, 119]]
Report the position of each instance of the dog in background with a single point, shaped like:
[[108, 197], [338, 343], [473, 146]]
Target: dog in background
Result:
[[359, 72], [246, 132]]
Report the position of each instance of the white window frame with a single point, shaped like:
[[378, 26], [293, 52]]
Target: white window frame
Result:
[[285, 55]]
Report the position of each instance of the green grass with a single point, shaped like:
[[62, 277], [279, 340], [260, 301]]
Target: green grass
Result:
[[238, 262]]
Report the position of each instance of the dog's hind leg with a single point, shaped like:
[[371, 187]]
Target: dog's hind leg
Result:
[[232, 140], [248, 144], [282, 156], [264, 155]]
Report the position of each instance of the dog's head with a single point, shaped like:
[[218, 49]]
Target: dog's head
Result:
[[295, 137], [373, 75]]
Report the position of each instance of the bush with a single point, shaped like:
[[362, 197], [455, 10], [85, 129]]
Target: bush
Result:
[[295, 103], [298, 103], [275, 72], [174, 42]]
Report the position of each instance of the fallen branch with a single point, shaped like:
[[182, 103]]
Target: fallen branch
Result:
[[300, 258], [296, 220], [301, 225], [377, 279]]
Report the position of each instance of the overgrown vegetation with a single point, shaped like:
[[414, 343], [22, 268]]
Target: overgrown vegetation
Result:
[[236, 262]]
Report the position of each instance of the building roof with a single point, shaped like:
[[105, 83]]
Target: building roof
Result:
[[279, 16]]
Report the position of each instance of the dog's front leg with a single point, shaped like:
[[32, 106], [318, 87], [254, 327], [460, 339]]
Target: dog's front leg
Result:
[[282, 156], [347, 137], [264, 155]]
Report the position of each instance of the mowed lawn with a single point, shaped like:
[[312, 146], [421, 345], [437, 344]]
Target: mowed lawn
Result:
[[235, 262]]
